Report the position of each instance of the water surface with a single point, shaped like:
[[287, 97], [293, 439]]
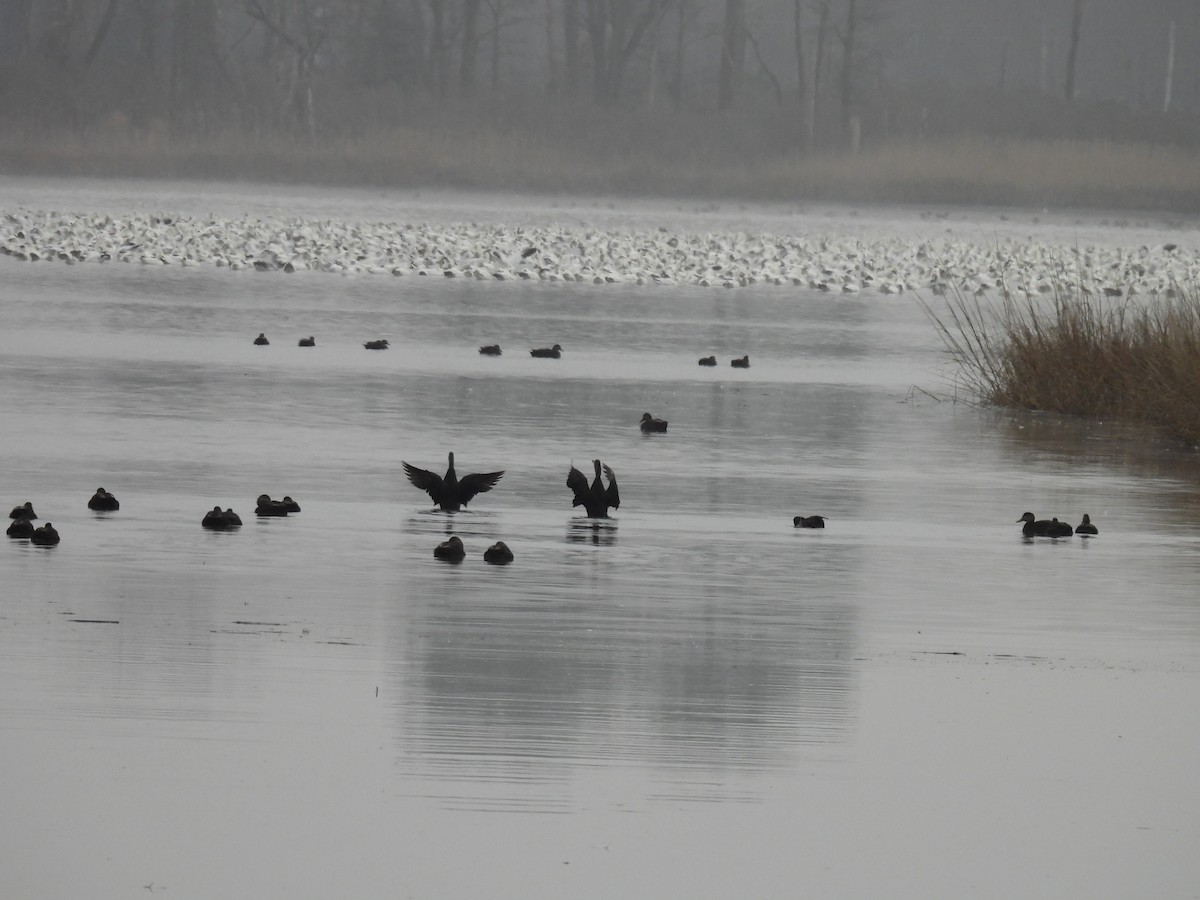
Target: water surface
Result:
[[690, 699]]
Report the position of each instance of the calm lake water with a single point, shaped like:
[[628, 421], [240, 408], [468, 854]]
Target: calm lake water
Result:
[[692, 699]]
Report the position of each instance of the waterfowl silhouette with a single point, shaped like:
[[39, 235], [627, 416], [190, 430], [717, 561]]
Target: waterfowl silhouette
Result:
[[1086, 527], [377, 345], [743, 363], [498, 554], [23, 512], [448, 492], [808, 522], [268, 507], [21, 528], [45, 536], [554, 352], [103, 501], [221, 520], [490, 350], [308, 342], [650, 424], [451, 550], [261, 340], [1035, 527], [596, 498], [289, 504], [708, 360]]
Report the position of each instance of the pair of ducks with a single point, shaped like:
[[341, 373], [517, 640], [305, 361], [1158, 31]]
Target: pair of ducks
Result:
[[450, 493], [1035, 527], [221, 520], [554, 352], [743, 363], [268, 507], [261, 341], [452, 550]]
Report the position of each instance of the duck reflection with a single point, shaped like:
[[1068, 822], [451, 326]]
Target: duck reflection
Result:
[[602, 533]]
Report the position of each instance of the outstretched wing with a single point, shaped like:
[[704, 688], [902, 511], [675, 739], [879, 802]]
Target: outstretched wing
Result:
[[476, 483], [424, 479], [613, 495], [578, 483]]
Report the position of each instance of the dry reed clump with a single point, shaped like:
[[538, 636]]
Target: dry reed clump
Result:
[[1135, 360]]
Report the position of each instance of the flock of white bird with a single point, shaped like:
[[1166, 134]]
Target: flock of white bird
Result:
[[492, 252]]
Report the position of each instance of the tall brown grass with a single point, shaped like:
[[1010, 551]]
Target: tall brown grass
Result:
[[1136, 360]]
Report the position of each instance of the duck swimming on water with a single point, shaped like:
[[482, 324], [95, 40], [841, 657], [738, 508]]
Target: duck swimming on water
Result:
[[595, 498], [261, 340], [1035, 527], [21, 528], [708, 360], [650, 424], [23, 512], [103, 501], [554, 352], [743, 363], [308, 342], [1086, 528], [490, 350], [451, 550], [498, 554], [808, 522], [448, 492], [381, 344], [45, 536]]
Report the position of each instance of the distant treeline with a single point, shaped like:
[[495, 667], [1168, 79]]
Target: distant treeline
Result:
[[658, 96], [803, 75]]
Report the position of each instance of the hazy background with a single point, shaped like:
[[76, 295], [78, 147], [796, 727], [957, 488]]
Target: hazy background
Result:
[[653, 82]]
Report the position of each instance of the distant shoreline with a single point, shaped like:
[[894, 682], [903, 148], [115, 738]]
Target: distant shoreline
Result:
[[1085, 175]]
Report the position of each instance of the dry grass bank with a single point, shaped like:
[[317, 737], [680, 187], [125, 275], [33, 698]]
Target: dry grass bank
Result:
[[1137, 361], [644, 156]]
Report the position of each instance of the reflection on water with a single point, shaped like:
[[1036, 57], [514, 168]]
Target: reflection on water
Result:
[[694, 647]]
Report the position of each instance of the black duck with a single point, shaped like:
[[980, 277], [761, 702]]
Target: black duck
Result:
[[23, 512], [451, 550], [449, 492], [743, 363], [650, 424], [808, 522], [498, 554], [554, 352], [377, 345], [708, 360], [490, 350], [45, 536], [596, 498], [1086, 527], [103, 501], [261, 340]]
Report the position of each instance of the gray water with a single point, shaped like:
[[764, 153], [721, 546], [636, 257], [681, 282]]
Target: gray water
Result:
[[691, 699]]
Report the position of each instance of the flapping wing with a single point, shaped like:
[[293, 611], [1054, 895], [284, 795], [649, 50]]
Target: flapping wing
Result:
[[477, 483], [578, 483], [613, 496], [425, 480]]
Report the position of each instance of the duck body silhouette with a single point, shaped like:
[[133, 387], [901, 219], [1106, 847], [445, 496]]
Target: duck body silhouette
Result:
[[46, 536], [261, 340], [708, 360], [595, 498], [266, 507], [377, 345], [308, 342], [1035, 527], [21, 528], [554, 352], [490, 350], [23, 512], [498, 554], [451, 550], [650, 425], [743, 363], [1086, 528], [221, 520], [448, 492], [103, 501], [808, 522], [290, 505]]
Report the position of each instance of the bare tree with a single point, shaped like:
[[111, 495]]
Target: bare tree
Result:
[[1073, 48], [302, 35], [733, 53], [615, 29]]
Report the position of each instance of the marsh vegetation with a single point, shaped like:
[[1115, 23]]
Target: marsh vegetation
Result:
[[1132, 359]]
